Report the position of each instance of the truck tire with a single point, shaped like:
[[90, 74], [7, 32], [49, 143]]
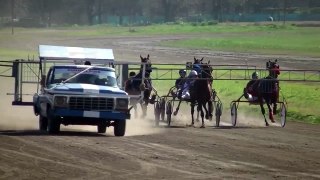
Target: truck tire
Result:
[[53, 122], [102, 126], [120, 127], [43, 123]]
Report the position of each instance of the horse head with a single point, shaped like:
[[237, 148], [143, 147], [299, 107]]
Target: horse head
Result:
[[197, 61], [207, 70], [273, 68], [147, 62]]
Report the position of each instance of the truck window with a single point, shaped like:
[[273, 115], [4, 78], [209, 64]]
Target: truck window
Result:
[[95, 76], [49, 77]]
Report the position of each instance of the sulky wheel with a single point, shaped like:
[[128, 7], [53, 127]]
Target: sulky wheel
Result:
[[233, 114], [157, 113], [169, 112], [218, 113], [283, 114]]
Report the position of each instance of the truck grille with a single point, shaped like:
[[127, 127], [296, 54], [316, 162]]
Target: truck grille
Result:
[[91, 103]]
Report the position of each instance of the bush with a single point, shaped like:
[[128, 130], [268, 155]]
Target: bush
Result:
[[194, 24], [211, 23]]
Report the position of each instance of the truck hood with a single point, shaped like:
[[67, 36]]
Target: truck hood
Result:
[[85, 89]]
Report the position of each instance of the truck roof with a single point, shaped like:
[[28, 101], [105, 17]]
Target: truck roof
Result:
[[83, 66], [63, 53]]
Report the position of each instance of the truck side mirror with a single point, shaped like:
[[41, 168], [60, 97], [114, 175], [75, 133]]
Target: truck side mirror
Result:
[[43, 80]]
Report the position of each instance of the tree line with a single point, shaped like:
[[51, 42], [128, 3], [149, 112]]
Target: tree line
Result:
[[89, 12]]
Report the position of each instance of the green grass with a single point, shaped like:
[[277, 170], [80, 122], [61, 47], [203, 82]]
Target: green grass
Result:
[[158, 29], [305, 41], [9, 54]]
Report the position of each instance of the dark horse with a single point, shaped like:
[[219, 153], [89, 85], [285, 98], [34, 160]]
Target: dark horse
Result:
[[141, 83], [268, 90], [201, 91]]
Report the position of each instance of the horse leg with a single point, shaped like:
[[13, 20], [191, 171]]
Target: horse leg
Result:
[[210, 105], [145, 102], [202, 114], [144, 109], [207, 112], [263, 111], [270, 112], [275, 108], [135, 111], [177, 109], [198, 112], [192, 112]]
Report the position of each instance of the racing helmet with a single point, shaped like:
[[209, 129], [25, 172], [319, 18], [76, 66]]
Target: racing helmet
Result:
[[255, 75], [193, 73], [132, 73], [182, 72]]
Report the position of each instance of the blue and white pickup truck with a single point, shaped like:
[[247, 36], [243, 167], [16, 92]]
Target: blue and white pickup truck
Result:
[[80, 95]]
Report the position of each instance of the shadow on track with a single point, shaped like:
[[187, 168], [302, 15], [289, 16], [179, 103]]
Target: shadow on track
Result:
[[44, 133], [237, 127]]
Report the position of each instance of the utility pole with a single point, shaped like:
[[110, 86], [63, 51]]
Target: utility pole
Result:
[[12, 16]]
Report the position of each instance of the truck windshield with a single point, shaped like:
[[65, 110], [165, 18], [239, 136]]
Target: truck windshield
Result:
[[95, 76]]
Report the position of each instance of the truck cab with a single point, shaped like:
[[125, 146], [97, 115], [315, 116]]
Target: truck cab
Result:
[[76, 94]]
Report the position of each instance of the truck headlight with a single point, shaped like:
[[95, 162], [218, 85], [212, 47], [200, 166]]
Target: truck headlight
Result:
[[122, 103], [61, 101]]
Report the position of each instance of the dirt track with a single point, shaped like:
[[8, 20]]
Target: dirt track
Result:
[[250, 151]]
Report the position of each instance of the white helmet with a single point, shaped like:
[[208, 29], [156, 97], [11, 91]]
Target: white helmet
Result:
[[193, 73]]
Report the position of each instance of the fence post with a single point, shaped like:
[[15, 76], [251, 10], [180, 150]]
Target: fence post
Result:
[[124, 74], [15, 74]]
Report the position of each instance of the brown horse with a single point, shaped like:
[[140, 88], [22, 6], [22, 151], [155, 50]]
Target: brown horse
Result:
[[141, 82], [201, 92], [268, 91]]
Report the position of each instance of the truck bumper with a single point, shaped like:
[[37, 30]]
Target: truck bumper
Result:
[[112, 115]]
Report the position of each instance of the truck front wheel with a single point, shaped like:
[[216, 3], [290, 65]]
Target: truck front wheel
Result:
[[120, 127], [53, 122], [43, 123], [102, 127]]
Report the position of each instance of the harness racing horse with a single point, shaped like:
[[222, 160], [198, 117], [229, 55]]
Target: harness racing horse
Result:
[[201, 93], [142, 83], [268, 90]]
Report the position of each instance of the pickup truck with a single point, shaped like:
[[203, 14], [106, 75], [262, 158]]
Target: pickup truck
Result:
[[81, 95]]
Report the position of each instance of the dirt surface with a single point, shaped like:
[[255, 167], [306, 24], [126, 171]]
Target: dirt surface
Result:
[[249, 151]]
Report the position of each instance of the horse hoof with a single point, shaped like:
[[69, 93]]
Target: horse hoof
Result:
[[190, 125], [267, 124], [207, 117], [175, 113], [202, 126]]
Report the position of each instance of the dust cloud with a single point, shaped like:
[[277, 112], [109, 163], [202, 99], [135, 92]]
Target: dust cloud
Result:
[[14, 117], [255, 120]]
